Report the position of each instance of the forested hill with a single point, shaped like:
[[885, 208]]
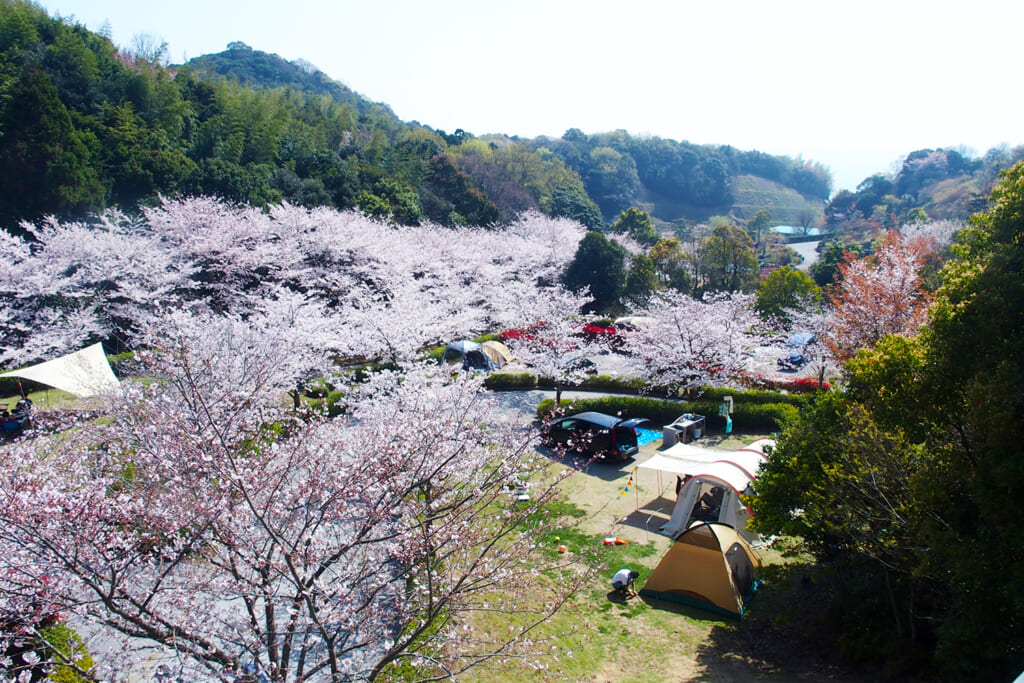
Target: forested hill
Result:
[[672, 180], [85, 126], [257, 69]]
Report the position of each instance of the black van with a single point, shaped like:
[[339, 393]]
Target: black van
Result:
[[604, 436]]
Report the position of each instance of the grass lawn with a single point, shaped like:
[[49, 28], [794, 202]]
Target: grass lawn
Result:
[[46, 399], [600, 636]]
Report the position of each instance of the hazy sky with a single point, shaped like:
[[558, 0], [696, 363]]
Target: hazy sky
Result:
[[854, 86]]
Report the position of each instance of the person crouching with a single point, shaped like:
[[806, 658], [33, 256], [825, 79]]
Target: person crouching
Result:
[[623, 582]]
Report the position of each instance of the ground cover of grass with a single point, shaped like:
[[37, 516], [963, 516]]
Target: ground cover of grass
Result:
[[600, 636], [48, 399]]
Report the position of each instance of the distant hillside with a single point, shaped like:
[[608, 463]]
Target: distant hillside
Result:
[[680, 183], [677, 183], [85, 126], [787, 206], [931, 184]]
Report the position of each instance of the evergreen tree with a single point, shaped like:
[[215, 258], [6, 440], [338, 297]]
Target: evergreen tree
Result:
[[905, 481], [728, 261], [599, 265]]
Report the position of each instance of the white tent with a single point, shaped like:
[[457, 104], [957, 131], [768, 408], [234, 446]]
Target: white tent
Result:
[[713, 483], [83, 373]]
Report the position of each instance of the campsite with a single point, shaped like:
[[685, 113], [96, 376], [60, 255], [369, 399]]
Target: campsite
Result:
[[270, 427], [600, 637], [306, 472], [664, 634]]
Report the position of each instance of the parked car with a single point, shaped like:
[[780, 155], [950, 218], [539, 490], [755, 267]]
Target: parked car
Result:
[[604, 436]]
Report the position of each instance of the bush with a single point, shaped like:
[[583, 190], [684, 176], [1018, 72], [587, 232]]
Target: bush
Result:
[[335, 401], [621, 385], [70, 645], [748, 396], [607, 383], [505, 381], [760, 417], [801, 385]]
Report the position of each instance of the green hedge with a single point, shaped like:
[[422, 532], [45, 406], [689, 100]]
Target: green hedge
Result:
[[761, 417], [505, 381], [634, 385], [749, 396], [622, 385]]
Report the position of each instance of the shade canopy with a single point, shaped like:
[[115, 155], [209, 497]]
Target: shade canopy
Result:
[[705, 471], [82, 373]]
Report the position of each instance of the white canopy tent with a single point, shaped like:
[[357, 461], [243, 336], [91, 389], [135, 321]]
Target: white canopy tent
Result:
[[83, 373], [713, 482]]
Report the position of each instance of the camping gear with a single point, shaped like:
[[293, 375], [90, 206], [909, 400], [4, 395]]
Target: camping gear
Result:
[[12, 424], [83, 373], [791, 361], [645, 436], [714, 481], [798, 351], [709, 566], [497, 352], [469, 356], [685, 428]]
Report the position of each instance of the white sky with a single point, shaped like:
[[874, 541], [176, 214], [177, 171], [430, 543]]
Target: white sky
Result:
[[854, 86]]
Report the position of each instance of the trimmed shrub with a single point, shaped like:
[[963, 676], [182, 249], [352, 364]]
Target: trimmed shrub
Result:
[[606, 383], [505, 381], [638, 387], [69, 644], [748, 396], [762, 417]]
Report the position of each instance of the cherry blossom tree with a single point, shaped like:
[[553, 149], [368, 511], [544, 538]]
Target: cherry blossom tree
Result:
[[940, 233], [690, 342], [388, 291], [553, 345], [879, 295], [205, 517], [69, 283]]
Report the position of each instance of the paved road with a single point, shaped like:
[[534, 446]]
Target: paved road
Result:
[[807, 250]]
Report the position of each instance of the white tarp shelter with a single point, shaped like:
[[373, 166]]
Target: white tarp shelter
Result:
[[713, 481], [83, 373]]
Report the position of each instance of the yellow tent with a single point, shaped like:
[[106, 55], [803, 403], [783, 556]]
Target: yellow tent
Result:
[[497, 352], [709, 566]]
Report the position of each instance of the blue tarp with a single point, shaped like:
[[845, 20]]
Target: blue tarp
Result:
[[646, 436]]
